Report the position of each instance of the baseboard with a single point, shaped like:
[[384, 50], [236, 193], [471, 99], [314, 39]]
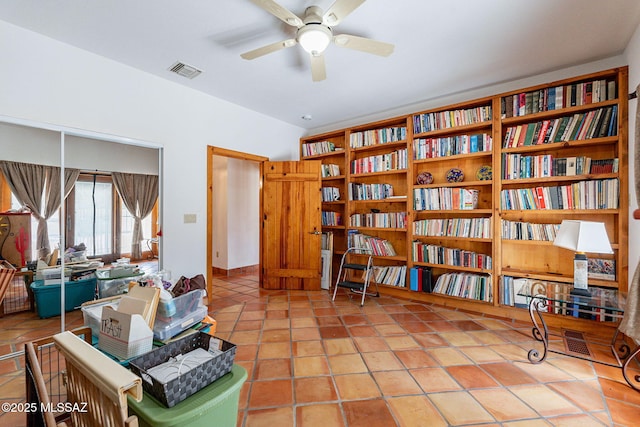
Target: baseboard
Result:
[[249, 269]]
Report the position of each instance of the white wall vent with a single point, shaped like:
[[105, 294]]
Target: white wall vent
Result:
[[185, 70]]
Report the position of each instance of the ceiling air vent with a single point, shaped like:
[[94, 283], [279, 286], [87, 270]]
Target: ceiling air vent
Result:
[[185, 70]]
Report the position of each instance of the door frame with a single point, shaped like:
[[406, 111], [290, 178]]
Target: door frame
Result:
[[224, 152]]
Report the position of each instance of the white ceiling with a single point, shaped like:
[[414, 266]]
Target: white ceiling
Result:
[[442, 47]]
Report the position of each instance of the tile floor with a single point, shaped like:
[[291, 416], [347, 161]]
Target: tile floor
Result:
[[393, 362]]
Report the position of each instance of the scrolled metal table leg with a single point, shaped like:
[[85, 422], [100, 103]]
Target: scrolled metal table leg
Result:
[[539, 333], [633, 380]]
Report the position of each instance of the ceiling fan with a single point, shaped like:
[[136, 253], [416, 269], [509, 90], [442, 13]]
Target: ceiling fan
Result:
[[315, 33]]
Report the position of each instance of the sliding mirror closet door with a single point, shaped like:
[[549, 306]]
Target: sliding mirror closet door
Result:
[[117, 187], [68, 188]]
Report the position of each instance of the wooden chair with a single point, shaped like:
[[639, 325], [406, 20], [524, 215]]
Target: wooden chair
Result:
[[37, 392], [99, 382]]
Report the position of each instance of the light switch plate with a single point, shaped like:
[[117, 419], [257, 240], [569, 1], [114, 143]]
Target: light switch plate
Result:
[[189, 218]]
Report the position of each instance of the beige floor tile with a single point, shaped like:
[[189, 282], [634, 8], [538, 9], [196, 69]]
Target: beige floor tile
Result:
[[459, 339], [303, 322], [450, 405], [579, 420], [319, 415], [270, 417], [339, 346], [433, 380], [366, 344], [415, 411], [305, 334], [448, 356], [577, 368], [381, 361], [405, 342], [347, 364], [274, 350], [487, 337], [396, 383], [307, 348], [544, 400], [314, 389], [481, 354], [412, 359], [310, 366], [356, 386], [503, 405]]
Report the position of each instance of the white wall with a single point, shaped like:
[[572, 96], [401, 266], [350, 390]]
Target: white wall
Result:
[[236, 210], [219, 211], [243, 212], [632, 53], [49, 81]]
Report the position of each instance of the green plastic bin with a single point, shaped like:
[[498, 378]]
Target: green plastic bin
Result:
[[47, 297], [216, 404]]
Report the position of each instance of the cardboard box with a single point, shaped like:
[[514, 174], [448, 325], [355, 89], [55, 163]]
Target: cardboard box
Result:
[[15, 238], [124, 335]]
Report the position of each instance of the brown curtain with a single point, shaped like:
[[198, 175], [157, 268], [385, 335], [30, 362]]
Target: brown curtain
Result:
[[139, 193], [630, 325], [30, 184]]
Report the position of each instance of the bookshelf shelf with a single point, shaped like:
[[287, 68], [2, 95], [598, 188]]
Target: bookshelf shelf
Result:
[[551, 179], [482, 154], [449, 137], [556, 146], [382, 173], [381, 147]]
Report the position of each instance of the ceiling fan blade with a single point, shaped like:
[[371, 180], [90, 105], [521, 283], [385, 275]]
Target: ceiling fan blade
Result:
[[339, 10], [363, 44], [279, 12], [270, 48], [318, 69]]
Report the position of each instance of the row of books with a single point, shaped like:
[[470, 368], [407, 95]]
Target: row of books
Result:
[[377, 136], [465, 285], [420, 279], [321, 147], [427, 122], [379, 219], [517, 230], [330, 194], [604, 305], [597, 123], [428, 148], [557, 97], [436, 254], [595, 194], [331, 219], [374, 245], [517, 166], [361, 191], [395, 160], [444, 198], [391, 275], [329, 169], [479, 228]]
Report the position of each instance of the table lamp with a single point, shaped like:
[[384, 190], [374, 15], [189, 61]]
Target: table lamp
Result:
[[582, 237]]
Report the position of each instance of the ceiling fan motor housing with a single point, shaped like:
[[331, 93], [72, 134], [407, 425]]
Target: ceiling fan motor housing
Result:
[[313, 36]]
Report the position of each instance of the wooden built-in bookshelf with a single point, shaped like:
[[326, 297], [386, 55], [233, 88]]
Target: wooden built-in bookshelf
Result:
[[571, 139]]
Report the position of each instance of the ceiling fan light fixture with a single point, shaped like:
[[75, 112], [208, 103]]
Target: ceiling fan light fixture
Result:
[[314, 38]]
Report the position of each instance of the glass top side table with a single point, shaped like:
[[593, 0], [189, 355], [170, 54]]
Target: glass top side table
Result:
[[605, 305]]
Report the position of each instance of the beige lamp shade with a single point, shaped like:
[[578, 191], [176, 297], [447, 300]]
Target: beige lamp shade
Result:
[[583, 236]]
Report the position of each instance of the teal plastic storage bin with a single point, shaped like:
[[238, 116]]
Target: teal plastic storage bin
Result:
[[47, 297], [214, 405]]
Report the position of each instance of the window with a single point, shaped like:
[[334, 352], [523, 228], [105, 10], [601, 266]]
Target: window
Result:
[[113, 222]]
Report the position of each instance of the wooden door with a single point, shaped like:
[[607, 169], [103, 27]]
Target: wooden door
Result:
[[291, 225]]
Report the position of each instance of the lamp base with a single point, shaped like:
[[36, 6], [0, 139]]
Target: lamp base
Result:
[[580, 292]]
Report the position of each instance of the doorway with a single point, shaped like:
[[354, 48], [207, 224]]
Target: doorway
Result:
[[233, 212]]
